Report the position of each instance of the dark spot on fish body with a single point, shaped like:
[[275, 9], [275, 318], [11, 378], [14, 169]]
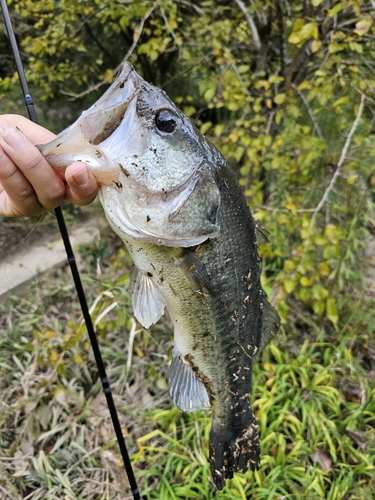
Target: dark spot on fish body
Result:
[[59, 144], [123, 169], [212, 214], [148, 218], [117, 184], [98, 153], [149, 274]]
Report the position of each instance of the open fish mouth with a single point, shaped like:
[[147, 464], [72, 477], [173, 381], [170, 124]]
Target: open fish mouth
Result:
[[94, 127], [157, 174]]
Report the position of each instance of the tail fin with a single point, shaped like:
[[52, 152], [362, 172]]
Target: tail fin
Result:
[[233, 451]]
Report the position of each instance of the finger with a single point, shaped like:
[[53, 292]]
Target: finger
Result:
[[82, 186], [31, 183], [34, 132], [17, 197]]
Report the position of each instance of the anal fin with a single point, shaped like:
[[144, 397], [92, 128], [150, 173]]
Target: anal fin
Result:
[[148, 302], [186, 390]]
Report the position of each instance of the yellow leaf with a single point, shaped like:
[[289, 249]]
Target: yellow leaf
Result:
[[204, 127], [77, 358], [305, 281], [280, 98], [311, 30], [362, 26], [318, 307], [305, 85], [50, 334], [335, 47], [53, 356], [289, 266], [351, 180], [219, 129], [357, 47], [139, 352], [294, 37], [234, 136], [331, 310], [342, 100], [315, 46], [323, 268], [291, 206], [289, 285]]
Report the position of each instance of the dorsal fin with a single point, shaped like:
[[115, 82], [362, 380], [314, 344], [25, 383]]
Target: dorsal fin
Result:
[[271, 322], [261, 232], [188, 393]]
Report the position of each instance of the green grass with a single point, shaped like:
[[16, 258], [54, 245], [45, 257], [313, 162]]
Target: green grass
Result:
[[313, 395]]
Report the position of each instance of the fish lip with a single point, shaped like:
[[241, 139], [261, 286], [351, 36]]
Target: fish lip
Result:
[[81, 141], [116, 100]]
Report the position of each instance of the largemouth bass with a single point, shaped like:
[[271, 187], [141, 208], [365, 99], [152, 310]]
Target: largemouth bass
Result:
[[172, 198]]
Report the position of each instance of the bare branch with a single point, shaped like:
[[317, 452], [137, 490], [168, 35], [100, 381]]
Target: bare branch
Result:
[[260, 14], [251, 23], [127, 55], [310, 111], [340, 163]]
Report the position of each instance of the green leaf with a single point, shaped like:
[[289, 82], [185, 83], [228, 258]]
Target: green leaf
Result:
[[331, 310], [279, 99]]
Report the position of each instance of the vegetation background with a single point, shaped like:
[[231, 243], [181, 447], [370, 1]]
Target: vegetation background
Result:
[[285, 89]]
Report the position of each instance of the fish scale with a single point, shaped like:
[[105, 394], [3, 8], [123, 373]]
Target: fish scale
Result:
[[174, 201]]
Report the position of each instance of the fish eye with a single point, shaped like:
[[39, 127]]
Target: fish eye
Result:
[[165, 121]]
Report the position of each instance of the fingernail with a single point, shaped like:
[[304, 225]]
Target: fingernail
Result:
[[1, 151], [81, 178], [14, 138]]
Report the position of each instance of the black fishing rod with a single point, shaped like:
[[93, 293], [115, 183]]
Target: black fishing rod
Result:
[[74, 269]]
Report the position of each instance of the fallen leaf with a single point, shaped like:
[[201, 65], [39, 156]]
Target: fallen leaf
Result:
[[357, 438], [323, 459]]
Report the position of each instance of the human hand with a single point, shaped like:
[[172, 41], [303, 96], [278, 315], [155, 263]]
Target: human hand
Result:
[[28, 184]]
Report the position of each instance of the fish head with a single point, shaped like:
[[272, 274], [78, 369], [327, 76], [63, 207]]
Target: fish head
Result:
[[156, 171]]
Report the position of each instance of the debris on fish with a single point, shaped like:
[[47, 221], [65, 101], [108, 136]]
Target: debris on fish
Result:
[[174, 201]]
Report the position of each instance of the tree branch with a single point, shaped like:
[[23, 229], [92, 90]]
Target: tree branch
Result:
[[340, 163], [127, 55], [251, 23], [310, 111]]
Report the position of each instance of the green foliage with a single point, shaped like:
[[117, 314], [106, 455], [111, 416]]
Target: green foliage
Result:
[[278, 91]]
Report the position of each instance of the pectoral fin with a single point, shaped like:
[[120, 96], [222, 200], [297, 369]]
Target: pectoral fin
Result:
[[194, 271], [186, 390], [148, 302]]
